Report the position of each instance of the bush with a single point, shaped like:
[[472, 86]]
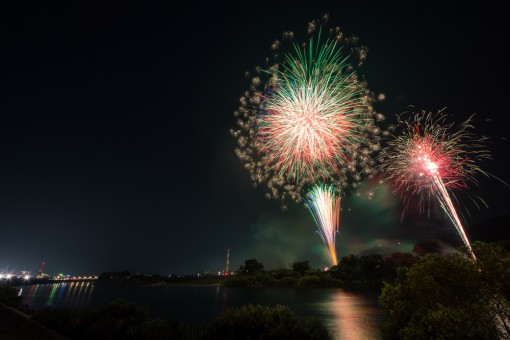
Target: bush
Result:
[[163, 329], [309, 281], [112, 321], [318, 280], [259, 322], [287, 281], [64, 320]]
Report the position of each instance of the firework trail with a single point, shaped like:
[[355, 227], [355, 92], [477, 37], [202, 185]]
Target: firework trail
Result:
[[307, 119], [324, 204], [431, 156]]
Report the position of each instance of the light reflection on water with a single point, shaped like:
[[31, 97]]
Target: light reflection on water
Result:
[[75, 294], [354, 318], [348, 315]]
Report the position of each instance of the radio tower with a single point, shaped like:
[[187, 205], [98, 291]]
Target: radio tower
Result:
[[228, 260], [41, 268], [40, 272]]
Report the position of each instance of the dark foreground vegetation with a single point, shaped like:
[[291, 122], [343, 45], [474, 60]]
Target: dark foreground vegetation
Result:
[[125, 321], [451, 297], [14, 325]]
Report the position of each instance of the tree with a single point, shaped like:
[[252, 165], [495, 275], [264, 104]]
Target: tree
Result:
[[301, 267], [251, 266], [494, 268], [347, 269], [450, 297], [372, 268]]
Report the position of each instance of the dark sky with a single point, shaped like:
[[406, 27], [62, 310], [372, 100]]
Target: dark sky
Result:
[[114, 143]]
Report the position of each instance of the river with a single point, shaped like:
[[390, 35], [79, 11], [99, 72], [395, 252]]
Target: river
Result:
[[348, 315]]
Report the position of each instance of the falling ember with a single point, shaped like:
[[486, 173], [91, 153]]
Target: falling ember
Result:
[[324, 204], [430, 155]]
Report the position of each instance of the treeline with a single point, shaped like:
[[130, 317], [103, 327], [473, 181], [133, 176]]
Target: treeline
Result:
[[365, 271], [125, 278]]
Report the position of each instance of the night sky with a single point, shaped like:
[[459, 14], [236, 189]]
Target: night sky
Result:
[[114, 131]]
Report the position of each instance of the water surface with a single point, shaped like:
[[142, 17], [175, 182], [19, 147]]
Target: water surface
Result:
[[349, 315]]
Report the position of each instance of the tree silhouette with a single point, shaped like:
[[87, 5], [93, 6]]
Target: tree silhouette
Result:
[[251, 266]]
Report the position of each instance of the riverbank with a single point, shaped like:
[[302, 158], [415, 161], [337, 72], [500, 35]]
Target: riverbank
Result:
[[15, 325], [160, 281]]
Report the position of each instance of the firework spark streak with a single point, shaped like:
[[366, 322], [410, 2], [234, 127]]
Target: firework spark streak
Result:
[[324, 204], [430, 155], [308, 117]]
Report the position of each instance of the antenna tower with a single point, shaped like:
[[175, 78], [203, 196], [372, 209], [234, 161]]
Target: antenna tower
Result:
[[228, 260], [41, 268]]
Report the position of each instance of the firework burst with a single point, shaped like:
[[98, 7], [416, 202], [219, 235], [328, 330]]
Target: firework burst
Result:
[[311, 114], [431, 156], [308, 117], [324, 204]]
